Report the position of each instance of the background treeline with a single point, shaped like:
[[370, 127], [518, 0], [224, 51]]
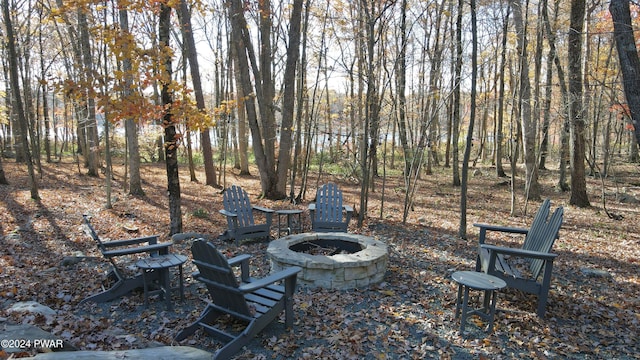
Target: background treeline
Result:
[[361, 89]]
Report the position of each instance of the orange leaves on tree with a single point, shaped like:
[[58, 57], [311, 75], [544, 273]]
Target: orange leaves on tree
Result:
[[621, 110]]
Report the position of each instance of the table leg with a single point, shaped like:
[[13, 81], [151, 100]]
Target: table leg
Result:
[[465, 303], [458, 301], [487, 300], [166, 287], [146, 288], [181, 283], [493, 312]]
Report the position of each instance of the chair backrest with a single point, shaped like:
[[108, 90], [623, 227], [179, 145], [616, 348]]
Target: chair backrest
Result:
[[541, 216], [219, 278], [328, 203], [236, 200], [543, 238], [92, 232]]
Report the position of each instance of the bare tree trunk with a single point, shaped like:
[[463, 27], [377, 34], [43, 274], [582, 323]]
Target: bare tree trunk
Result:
[[529, 124], [499, 126], [45, 100], [190, 45], [169, 124], [564, 143], [628, 57], [130, 126], [238, 25], [15, 88], [301, 97], [3, 178], [462, 230], [578, 182], [401, 76], [455, 123], [289, 99], [89, 122], [242, 134], [546, 106]]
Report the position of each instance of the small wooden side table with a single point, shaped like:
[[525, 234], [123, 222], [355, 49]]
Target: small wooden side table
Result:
[[293, 224], [478, 281], [162, 264]]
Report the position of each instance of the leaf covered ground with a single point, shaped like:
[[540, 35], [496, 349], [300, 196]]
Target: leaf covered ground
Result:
[[594, 302]]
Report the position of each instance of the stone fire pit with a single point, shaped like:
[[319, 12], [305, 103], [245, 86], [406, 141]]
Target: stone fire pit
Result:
[[351, 260]]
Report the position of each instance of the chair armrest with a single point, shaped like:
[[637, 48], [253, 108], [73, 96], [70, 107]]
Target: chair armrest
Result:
[[484, 227], [242, 261], [519, 252], [162, 247], [125, 242], [237, 260], [263, 209], [260, 283], [347, 208], [227, 213], [508, 229]]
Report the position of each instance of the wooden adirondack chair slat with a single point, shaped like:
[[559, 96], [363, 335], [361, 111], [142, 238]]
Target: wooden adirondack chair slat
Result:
[[536, 250], [328, 213], [255, 308], [240, 216], [117, 252]]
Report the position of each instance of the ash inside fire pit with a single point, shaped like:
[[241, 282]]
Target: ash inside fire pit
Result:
[[326, 247]]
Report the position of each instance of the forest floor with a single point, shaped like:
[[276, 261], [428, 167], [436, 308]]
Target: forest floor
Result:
[[594, 302]]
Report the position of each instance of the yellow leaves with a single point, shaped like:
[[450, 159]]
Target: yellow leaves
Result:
[[387, 292]]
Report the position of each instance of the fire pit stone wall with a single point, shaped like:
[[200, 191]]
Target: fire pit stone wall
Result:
[[340, 271]]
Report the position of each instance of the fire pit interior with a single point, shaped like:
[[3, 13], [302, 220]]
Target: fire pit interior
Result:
[[331, 260], [326, 247]]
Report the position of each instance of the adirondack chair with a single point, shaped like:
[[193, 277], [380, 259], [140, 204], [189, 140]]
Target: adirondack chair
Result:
[[328, 213], [119, 250], [535, 278], [239, 213], [254, 302]]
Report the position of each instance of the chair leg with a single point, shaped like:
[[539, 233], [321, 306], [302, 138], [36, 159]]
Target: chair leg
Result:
[[119, 289], [208, 316], [232, 347]]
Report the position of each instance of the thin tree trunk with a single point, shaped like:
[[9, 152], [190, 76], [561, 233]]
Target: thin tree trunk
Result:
[[628, 57], [242, 134], [529, 123], [3, 178], [289, 99], [169, 124], [130, 126], [564, 143], [45, 101], [244, 51], [500, 106], [15, 87], [462, 230], [299, 110], [456, 96], [89, 122], [578, 182], [190, 46]]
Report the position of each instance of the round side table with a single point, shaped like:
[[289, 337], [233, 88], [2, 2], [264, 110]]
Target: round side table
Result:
[[161, 264], [293, 224], [477, 281]]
